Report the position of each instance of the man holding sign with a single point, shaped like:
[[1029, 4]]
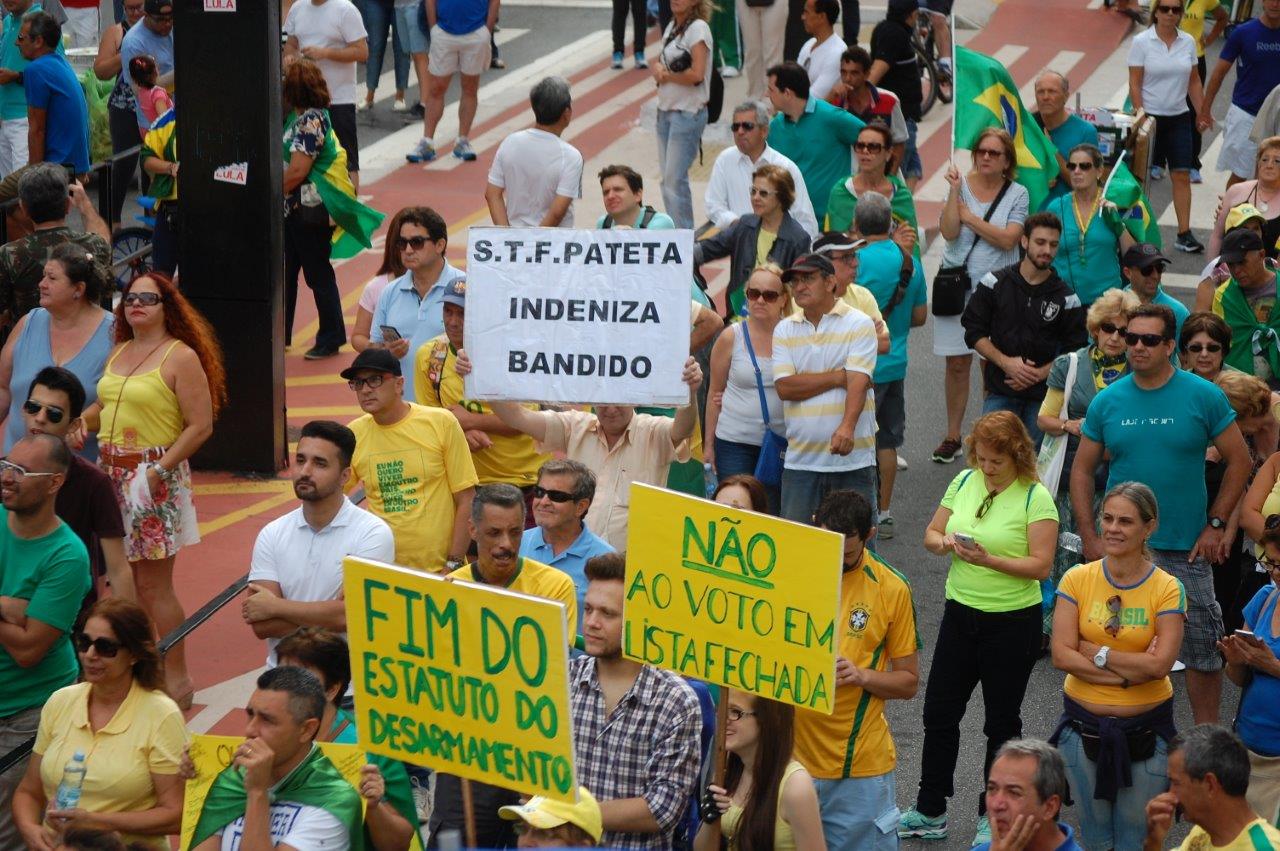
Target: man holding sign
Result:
[[280, 791], [850, 752]]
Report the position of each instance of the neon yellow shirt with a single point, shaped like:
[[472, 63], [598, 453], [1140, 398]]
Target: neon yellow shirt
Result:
[[537, 580], [411, 471], [878, 623]]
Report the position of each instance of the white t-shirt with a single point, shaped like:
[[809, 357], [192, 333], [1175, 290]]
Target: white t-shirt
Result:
[[823, 64], [307, 563], [1166, 70], [678, 95], [334, 23], [295, 825], [535, 166]]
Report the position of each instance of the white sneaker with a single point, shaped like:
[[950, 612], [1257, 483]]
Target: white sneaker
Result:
[[399, 105], [729, 72], [363, 105], [902, 462], [1178, 665]]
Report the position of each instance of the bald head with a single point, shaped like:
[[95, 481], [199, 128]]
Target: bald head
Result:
[[50, 453]]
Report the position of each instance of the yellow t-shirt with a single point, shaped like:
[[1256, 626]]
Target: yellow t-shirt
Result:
[[1194, 14], [410, 471], [512, 458], [878, 623], [537, 580], [1256, 836], [146, 736], [764, 244], [1091, 589]]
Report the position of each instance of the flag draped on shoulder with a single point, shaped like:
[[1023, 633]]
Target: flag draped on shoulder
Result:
[[987, 97]]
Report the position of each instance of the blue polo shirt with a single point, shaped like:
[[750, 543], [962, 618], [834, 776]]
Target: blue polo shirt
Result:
[[51, 85], [418, 320], [1180, 311], [819, 144], [572, 561], [13, 96]]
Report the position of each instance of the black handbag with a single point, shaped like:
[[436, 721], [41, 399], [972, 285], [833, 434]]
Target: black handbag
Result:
[[952, 283]]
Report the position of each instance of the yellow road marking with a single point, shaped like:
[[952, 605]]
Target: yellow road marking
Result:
[[326, 411], [232, 488], [313, 380], [251, 510]]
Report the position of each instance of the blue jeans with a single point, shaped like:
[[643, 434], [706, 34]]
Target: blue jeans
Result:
[[859, 813], [379, 21], [1102, 823], [911, 164], [1024, 409], [734, 459], [803, 490], [679, 136]]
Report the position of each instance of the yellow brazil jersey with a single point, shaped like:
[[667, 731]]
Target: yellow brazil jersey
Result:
[[877, 623], [411, 470], [537, 580], [1256, 836], [512, 458]]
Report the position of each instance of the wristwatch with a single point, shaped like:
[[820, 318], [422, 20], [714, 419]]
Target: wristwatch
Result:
[[1217, 523], [1100, 658], [452, 564]]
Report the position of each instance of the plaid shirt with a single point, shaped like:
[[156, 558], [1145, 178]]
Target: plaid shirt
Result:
[[648, 747]]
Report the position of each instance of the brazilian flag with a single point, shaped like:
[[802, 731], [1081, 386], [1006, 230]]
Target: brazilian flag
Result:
[[1126, 193], [987, 97]]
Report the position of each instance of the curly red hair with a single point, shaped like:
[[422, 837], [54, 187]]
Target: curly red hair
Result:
[[184, 322], [1003, 433]]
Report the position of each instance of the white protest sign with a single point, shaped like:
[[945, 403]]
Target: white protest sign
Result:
[[592, 316]]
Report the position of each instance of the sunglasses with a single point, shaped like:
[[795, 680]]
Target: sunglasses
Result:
[[988, 152], [160, 17], [373, 382], [1211, 348], [1080, 166], [767, 296], [1170, 10], [869, 147], [18, 471], [414, 242], [1108, 328], [986, 504], [53, 412], [144, 299], [105, 647], [1115, 606], [555, 496], [1148, 340], [763, 193], [745, 126]]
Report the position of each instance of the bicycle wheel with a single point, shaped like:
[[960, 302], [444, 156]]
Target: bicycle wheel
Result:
[[123, 244], [928, 80]]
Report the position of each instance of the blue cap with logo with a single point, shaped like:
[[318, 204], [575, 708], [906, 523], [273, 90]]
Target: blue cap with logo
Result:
[[455, 292]]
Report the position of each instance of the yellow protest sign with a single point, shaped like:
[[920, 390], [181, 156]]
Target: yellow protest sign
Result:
[[464, 678], [732, 597], [211, 754]]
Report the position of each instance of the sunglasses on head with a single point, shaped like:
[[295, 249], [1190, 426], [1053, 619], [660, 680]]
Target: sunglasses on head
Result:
[[53, 412], [105, 647], [414, 242], [1114, 605], [745, 126], [767, 296], [1086, 166], [1148, 340], [555, 496], [1211, 348], [144, 299], [1108, 328], [869, 147]]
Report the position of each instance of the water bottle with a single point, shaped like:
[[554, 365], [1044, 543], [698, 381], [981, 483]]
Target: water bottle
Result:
[[68, 795], [710, 479]]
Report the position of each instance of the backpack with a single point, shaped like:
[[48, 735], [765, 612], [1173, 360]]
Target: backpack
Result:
[[645, 218]]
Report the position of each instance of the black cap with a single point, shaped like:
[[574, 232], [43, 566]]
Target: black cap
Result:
[[157, 7], [1144, 255], [377, 359], [899, 10], [809, 263], [1238, 243]]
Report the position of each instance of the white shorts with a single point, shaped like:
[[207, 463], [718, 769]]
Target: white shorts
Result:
[[451, 54], [948, 337], [1239, 154], [13, 145], [82, 28]]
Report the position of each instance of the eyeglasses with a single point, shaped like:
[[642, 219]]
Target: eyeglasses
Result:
[[1114, 605], [1108, 328], [1268, 564], [1211, 348], [736, 714], [144, 299], [373, 382], [1080, 166], [161, 18], [987, 503], [767, 296], [555, 496], [869, 147], [744, 126], [414, 242], [53, 412], [18, 471], [1170, 10], [988, 152], [105, 647], [1148, 340], [1268, 160], [763, 193], [846, 257]]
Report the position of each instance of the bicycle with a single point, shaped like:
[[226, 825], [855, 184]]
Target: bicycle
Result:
[[127, 242], [935, 83]]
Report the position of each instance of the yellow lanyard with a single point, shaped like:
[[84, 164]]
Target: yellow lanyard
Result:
[[1083, 222]]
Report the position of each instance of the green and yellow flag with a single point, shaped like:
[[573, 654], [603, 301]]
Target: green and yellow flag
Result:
[[987, 97], [1126, 193]]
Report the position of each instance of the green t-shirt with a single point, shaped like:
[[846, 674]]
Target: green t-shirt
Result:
[[1002, 531], [399, 793], [52, 575], [819, 146]]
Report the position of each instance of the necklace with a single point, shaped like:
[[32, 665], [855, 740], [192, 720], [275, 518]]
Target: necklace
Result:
[[1265, 206]]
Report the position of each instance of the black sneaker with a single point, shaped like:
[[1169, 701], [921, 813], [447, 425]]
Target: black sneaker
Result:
[[1187, 242], [320, 353], [418, 110]]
